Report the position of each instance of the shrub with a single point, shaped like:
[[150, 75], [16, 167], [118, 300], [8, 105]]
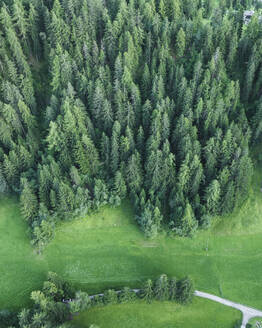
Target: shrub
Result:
[[80, 303], [147, 292], [127, 295], [205, 222], [185, 290], [161, 288], [110, 297], [97, 300], [172, 286]]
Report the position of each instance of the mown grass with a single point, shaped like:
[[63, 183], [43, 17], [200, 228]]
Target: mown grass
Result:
[[106, 249], [21, 270], [201, 313]]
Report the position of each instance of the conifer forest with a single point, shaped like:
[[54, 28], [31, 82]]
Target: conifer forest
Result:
[[154, 101], [158, 101]]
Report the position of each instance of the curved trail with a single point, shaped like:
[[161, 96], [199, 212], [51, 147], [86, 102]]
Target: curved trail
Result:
[[248, 312]]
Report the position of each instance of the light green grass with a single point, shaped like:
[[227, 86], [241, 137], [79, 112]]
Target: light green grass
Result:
[[106, 249], [201, 313], [20, 268]]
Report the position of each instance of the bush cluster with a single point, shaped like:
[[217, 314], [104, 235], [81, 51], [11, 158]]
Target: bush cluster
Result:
[[57, 302]]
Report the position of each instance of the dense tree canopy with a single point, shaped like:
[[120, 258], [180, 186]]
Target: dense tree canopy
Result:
[[157, 100]]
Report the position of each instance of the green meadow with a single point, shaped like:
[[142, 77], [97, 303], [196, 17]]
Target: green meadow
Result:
[[106, 249], [160, 315], [21, 270]]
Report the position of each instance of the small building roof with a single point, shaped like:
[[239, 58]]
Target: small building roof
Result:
[[249, 12], [247, 15]]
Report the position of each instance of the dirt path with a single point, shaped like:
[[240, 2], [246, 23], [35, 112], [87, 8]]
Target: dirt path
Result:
[[247, 312]]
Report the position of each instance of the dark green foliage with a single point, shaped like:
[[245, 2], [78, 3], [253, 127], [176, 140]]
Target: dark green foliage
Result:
[[29, 205], [57, 302], [172, 289], [49, 307], [43, 233], [80, 303], [154, 100], [185, 290], [62, 288], [168, 289], [127, 295], [148, 292], [161, 290], [110, 297], [8, 319], [205, 221], [188, 224], [180, 43], [97, 300]]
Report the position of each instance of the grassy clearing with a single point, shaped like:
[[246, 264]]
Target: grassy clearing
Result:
[[20, 269], [107, 249], [160, 315]]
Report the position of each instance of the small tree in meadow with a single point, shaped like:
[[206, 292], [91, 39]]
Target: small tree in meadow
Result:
[[127, 295], [161, 288], [110, 297], [148, 292], [185, 290], [172, 289], [80, 303]]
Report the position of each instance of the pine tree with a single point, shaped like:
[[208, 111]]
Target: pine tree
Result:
[[34, 29], [87, 156], [172, 289], [29, 203], [66, 198], [119, 185], [19, 18], [188, 223], [134, 173], [107, 115], [148, 292], [115, 147], [180, 43], [185, 290], [105, 151], [146, 82], [212, 197], [174, 10], [100, 193], [161, 288], [196, 172]]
